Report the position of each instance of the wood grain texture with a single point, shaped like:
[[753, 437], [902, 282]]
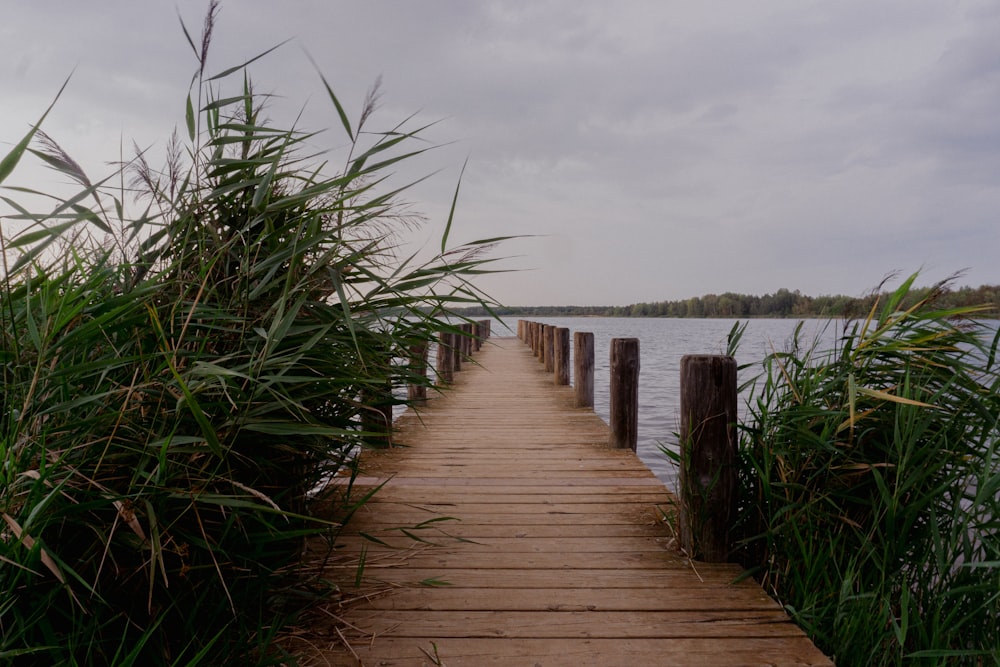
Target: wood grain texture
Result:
[[508, 533]]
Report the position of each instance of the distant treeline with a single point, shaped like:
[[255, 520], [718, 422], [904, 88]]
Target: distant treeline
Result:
[[781, 304]]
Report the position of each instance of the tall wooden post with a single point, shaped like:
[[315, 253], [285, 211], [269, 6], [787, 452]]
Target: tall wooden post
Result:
[[376, 415], [561, 355], [476, 337], [446, 358], [416, 391], [583, 368], [550, 345], [467, 335], [708, 454], [624, 393]]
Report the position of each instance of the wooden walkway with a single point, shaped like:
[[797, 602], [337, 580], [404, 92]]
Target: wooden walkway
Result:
[[536, 545]]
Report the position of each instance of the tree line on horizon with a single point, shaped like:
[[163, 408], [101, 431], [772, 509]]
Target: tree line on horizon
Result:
[[781, 304]]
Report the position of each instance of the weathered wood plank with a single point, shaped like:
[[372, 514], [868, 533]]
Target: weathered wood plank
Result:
[[672, 652], [584, 624], [465, 529], [555, 578], [596, 544], [566, 599], [452, 523]]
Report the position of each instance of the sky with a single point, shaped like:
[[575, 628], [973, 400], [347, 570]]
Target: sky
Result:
[[642, 150]]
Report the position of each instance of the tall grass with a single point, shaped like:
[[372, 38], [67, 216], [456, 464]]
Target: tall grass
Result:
[[177, 381], [871, 486]]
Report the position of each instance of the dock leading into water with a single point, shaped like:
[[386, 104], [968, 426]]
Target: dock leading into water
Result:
[[508, 533]]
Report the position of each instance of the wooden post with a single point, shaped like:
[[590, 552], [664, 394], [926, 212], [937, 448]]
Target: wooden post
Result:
[[540, 352], [561, 355], [376, 415], [583, 368], [708, 454], [550, 346], [624, 393], [485, 331], [466, 341], [416, 391], [445, 358]]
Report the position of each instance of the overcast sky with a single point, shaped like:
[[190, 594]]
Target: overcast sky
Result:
[[655, 149]]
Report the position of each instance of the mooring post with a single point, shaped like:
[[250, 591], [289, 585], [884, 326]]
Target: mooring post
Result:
[[561, 355], [550, 348], [416, 390], [708, 455], [540, 352], [456, 350], [376, 415], [467, 336], [583, 368], [445, 358], [624, 393], [482, 333]]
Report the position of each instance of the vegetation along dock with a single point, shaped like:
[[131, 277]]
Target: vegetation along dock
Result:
[[508, 532]]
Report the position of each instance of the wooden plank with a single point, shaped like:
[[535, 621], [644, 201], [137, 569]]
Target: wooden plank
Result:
[[445, 559], [395, 491], [566, 599], [412, 515], [672, 652], [512, 481], [527, 507], [569, 578], [464, 529], [521, 545], [584, 624]]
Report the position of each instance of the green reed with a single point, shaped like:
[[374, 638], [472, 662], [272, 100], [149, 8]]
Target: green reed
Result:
[[177, 382], [870, 476]]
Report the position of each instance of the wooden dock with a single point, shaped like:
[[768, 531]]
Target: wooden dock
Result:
[[535, 545]]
